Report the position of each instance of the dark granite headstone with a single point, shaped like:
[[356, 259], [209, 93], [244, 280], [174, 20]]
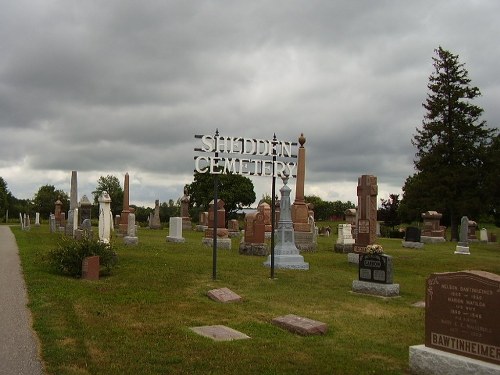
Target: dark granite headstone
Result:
[[375, 268], [412, 234], [462, 314]]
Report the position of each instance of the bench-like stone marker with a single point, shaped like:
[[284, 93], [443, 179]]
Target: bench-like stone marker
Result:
[[90, 268], [300, 325], [219, 333], [223, 295]]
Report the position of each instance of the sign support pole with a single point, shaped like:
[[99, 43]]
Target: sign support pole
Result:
[[216, 212]]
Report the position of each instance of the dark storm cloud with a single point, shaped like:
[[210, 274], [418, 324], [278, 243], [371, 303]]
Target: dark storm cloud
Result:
[[121, 86]]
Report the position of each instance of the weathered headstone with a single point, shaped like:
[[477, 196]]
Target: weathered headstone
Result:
[[175, 230], [463, 244], [462, 329], [203, 222], [300, 325], [52, 223], [186, 219], [223, 240], [154, 219], [85, 209], [105, 217], [58, 211], [366, 225], [87, 228], [345, 242], [21, 220], [412, 238], [219, 333], [286, 253], [224, 295], [254, 239], [432, 230], [471, 234], [131, 237], [233, 227], [483, 235], [37, 219], [90, 268]]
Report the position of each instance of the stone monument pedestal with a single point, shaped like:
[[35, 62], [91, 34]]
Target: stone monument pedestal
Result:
[[429, 239], [429, 361], [464, 250], [129, 240], [222, 243], [412, 245], [259, 249], [288, 261], [375, 289]]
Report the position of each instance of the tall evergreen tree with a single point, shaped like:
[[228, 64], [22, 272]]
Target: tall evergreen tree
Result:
[[451, 146]]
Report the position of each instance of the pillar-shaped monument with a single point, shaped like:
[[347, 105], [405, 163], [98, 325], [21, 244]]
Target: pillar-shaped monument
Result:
[[105, 217], [303, 222], [367, 212], [286, 254], [126, 208], [73, 205]]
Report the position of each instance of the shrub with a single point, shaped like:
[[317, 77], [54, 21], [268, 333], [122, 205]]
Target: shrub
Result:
[[68, 256]]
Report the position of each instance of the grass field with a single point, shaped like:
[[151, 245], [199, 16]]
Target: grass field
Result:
[[136, 320]]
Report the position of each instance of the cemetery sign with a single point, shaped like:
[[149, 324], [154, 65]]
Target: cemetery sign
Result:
[[256, 156]]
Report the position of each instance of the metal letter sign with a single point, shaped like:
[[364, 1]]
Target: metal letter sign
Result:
[[247, 157]]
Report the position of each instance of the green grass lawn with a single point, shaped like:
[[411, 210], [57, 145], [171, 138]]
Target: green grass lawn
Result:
[[136, 321]]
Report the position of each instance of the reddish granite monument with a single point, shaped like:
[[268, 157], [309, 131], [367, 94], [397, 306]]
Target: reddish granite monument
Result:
[[367, 213]]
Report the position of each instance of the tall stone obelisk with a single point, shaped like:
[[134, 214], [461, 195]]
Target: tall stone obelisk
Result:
[[303, 224], [126, 207], [73, 206]]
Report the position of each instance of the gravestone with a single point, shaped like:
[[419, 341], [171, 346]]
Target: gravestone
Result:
[[58, 211], [350, 218], [366, 226], [233, 227], [87, 228], [105, 217], [462, 329], [224, 295], [21, 220], [254, 239], [186, 219], [37, 219], [203, 222], [375, 276], [62, 227], [412, 238], [463, 245], [219, 333], [300, 325], [175, 230], [286, 253], [90, 268], [223, 240], [131, 237], [154, 219], [483, 235], [432, 230], [265, 209], [471, 234], [345, 242], [85, 209], [52, 223]]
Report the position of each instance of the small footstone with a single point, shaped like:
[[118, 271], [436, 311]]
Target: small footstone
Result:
[[223, 295], [300, 325], [219, 333]]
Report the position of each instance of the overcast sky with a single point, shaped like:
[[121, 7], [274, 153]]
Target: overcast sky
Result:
[[115, 86]]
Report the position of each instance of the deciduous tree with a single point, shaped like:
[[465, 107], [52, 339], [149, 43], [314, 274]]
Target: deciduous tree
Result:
[[110, 184]]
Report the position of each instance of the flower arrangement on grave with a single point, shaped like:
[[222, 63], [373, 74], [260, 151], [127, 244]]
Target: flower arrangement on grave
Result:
[[374, 249]]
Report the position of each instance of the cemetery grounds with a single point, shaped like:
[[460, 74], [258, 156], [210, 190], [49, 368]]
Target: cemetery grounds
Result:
[[137, 319]]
